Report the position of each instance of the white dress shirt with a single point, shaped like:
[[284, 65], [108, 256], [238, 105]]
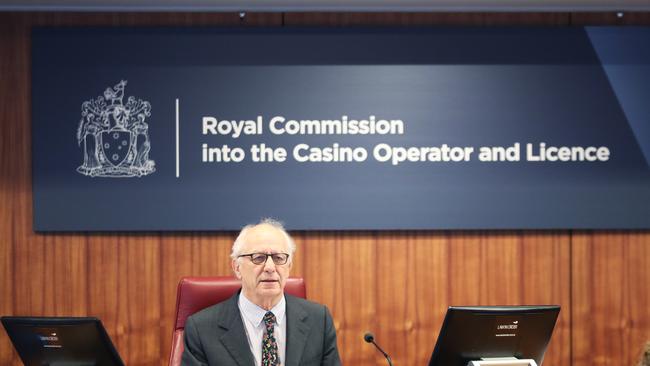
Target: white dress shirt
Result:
[[253, 317]]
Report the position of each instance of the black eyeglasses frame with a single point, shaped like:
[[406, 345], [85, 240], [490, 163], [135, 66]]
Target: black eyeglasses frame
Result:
[[266, 258]]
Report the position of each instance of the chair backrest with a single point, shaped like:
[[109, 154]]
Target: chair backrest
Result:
[[197, 293]]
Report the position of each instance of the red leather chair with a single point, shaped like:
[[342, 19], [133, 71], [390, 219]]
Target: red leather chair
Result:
[[197, 293]]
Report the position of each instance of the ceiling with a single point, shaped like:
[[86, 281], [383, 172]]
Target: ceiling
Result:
[[326, 5]]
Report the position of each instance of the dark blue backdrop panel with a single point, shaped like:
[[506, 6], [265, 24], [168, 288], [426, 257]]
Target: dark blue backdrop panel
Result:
[[111, 163]]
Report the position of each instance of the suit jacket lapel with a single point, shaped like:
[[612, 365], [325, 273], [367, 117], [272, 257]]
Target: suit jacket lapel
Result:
[[234, 338], [297, 331]]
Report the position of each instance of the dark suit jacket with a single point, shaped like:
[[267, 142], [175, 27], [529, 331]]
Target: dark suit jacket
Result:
[[215, 336]]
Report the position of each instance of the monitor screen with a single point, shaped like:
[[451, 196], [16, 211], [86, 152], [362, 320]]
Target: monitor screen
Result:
[[61, 341], [474, 333]]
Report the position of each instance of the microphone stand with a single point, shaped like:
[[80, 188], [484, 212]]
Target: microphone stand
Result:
[[370, 338]]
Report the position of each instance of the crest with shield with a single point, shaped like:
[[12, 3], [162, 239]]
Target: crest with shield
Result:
[[115, 136]]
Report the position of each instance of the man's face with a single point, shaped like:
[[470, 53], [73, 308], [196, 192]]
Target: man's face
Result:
[[263, 284]]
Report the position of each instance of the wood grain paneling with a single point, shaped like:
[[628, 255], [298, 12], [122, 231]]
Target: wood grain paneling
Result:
[[7, 186], [611, 311], [396, 284]]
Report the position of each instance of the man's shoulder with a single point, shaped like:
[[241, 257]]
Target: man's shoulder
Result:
[[307, 305]]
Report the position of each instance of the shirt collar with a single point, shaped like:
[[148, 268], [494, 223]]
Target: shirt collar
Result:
[[255, 314]]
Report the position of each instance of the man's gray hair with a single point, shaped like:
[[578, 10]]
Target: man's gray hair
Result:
[[239, 242]]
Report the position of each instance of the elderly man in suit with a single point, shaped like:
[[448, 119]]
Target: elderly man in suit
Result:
[[261, 325]]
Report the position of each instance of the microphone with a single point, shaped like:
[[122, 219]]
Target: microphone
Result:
[[370, 338]]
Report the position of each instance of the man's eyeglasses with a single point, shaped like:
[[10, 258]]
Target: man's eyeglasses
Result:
[[261, 258]]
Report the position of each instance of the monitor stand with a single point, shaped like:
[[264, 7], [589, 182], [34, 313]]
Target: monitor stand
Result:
[[502, 361]]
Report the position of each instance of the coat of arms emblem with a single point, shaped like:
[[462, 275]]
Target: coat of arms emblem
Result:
[[115, 135]]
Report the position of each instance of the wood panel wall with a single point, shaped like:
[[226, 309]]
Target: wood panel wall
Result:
[[397, 284]]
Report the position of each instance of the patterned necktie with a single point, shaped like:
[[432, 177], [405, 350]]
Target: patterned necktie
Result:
[[269, 345]]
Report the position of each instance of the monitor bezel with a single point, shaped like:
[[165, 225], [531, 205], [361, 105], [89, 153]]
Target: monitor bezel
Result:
[[491, 310], [11, 322]]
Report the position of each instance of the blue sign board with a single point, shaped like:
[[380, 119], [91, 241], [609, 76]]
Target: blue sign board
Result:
[[341, 129]]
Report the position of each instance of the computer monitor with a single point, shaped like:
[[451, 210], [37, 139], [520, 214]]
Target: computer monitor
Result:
[[61, 341], [475, 333]]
